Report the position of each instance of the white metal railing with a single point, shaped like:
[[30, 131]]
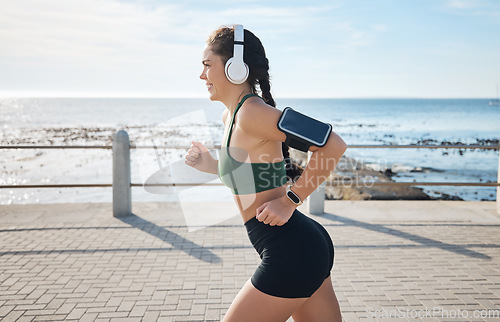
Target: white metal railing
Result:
[[121, 181]]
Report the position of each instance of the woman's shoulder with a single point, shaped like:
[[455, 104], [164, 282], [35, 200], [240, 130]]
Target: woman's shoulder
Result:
[[255, 108], [258, 118]]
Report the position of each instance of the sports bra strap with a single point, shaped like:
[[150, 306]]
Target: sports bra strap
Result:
[[234, 114]]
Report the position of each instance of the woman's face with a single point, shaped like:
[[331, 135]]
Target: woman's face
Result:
[[213, 74]]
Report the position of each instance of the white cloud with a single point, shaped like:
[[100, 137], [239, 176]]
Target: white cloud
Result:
[[463, 4], [380, 27], [99, 33], [153, 47], [92, 45], [108, 43]]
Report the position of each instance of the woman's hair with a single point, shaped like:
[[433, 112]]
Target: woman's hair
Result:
[[221, 42]]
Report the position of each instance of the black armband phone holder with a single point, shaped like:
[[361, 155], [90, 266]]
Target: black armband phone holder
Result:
[[303, 131]]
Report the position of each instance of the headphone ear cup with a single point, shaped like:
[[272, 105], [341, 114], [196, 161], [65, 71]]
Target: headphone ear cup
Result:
[[236, 71]]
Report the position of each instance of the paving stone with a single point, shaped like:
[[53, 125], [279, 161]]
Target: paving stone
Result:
[[76, 314], [54, 317], [88, 317]]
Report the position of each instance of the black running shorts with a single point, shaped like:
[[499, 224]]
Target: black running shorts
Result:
[[296, 257]]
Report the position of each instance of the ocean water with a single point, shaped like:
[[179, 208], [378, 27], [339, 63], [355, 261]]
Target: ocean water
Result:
[[357, 121]]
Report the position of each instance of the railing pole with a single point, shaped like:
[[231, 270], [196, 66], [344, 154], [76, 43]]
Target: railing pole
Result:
[[122, 197], [316, 200], [498, 182]]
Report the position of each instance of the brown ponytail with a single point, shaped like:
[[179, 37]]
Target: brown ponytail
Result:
[[221, 42]]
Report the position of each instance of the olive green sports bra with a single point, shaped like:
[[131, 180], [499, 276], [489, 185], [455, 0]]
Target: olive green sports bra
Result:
[[245, 178]]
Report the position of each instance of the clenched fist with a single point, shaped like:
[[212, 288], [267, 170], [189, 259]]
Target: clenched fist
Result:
[[199, 158]]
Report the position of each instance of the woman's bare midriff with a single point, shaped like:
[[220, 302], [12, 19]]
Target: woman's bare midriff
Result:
[[248, 204], [253, 150]]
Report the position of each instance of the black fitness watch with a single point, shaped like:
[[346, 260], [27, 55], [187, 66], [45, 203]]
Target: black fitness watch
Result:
[[293, 196]]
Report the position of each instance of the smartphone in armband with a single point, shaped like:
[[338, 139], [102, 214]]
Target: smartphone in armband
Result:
[[303, 131]]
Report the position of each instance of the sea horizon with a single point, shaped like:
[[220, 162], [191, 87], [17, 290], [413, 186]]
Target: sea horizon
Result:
[[205, 96]]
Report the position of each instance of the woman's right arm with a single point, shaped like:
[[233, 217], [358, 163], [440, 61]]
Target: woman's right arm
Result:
[[199, 158]]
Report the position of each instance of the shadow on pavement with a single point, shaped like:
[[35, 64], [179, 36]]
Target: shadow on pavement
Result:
[[177, 241], [427, 242]]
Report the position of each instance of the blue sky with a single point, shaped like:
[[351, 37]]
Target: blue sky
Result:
[[371, 48]]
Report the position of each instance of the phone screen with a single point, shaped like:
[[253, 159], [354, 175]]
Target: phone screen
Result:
[[305, 127]]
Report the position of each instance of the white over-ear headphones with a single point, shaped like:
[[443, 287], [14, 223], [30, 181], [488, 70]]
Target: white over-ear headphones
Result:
[[236, 69]]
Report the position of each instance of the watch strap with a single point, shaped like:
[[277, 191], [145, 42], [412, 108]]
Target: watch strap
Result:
[[292, 196]]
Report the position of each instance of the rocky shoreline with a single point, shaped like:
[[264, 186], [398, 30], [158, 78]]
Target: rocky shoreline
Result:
[[350, 171]]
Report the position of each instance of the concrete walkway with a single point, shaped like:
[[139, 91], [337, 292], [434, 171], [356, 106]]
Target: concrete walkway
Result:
[[403, 260]]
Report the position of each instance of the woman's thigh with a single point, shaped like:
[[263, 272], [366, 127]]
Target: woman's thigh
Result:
[[252, 305], [321, 306], [296, 257]]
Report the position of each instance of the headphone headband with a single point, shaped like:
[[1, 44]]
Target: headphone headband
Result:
[[236, 69], [239, 33]]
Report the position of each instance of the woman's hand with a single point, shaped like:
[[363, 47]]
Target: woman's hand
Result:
[[276, 212], [199, 158]]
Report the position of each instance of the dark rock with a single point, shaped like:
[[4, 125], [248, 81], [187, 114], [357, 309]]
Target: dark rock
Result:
[[356, 178]]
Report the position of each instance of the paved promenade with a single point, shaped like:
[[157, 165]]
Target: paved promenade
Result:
[[394, 260]]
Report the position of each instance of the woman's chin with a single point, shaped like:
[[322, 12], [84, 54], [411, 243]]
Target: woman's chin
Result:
[[212, 97]]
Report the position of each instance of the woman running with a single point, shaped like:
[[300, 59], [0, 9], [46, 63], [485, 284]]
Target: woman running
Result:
[[293, 278]]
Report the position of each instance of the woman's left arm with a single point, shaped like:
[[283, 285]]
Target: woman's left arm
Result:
[[321, 164], [260, 120]]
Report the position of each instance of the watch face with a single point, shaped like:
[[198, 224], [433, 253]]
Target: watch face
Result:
[[293, 197]]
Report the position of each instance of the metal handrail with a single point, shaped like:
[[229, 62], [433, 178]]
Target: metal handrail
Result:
[[414, 183], [63, 185], [354, 146], [336, 183], [121, 178], [340, 183], [56, 146], [429, 146]]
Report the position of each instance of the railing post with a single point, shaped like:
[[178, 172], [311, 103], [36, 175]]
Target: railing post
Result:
[[122, 197], [316, 200], [498, 181]]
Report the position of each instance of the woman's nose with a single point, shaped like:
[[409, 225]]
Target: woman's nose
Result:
[[203, 76]]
